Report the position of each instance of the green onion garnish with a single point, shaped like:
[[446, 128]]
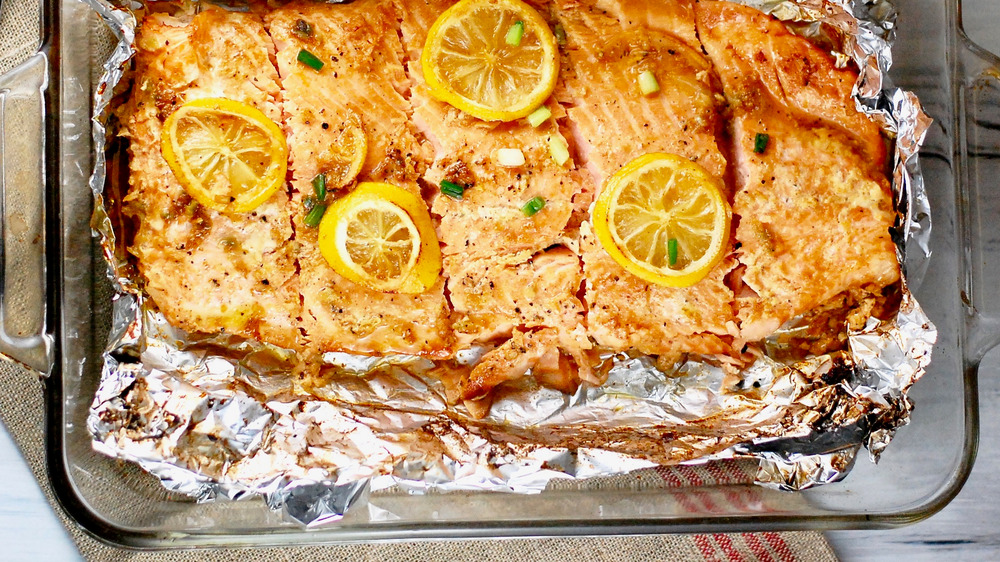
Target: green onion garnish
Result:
[[319, 186], [452, 189], [558, 150], [309, 202], [539, 116], [315, 215], [760, 143], [560, 34], [672, 251], [533, 205], [310, 60], [515, 33], [647, 83], [302, 28]]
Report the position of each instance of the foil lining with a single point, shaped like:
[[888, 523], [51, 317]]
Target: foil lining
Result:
[[219, 417]]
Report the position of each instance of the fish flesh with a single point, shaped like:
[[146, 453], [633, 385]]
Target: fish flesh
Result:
[[765, 112], [814, 206], [207, 271], [608, 44], [363, 77]]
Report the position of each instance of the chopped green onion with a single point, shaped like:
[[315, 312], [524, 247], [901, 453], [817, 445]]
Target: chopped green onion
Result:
[[515, 33], [309, 202], [672, 251], [310, 60], [539, 116], [532, 207], [452, 189], [302, 28], [558, 150], [647, 83], [560, 34], [319, 186], [760, 143], [510, 157], [314, 217]]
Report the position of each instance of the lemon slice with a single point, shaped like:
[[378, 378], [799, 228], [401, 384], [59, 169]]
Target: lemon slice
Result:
[[228, 155], [381, 236], [493, 59], [663, 218], [342, 160]]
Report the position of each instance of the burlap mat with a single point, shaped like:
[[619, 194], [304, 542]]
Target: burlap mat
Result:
[[21, 411]]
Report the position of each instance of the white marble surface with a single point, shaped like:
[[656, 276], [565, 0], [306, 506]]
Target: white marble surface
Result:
[[29, 530]]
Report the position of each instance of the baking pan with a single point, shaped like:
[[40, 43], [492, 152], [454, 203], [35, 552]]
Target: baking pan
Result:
[[56, 305]]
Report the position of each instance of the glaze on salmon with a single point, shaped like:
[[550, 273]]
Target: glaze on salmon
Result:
[[537, 294], [814, 205]]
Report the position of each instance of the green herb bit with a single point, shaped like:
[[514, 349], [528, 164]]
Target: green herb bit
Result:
[[303, 28], [310, 60], [760, 143], [539, 116], [314, 217], [452, 189], [672, 251], [515, 33], [560, 34], [532, 207], [558, 150], [647, 83], [309, 202], [319, 186]]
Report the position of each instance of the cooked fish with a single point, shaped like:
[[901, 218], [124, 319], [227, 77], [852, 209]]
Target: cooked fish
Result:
[[500, 280], [804, 171], [207, 271], [488, 220], [363, 75], [608, 43], [813, 201]]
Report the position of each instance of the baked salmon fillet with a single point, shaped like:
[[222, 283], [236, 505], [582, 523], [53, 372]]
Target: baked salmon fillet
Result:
[[531, 291], [362, 78], [813, 201], [207, 271], [508, 273], [608, 43]]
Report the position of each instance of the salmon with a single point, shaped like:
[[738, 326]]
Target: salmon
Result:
[[488, 220], [207, 271], [500, 278], [362, 75], [814, 206], [608, 43]]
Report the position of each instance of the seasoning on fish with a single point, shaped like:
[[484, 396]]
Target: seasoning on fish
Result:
[[363, 79], [609, 44], [814, 203], [207, 269]]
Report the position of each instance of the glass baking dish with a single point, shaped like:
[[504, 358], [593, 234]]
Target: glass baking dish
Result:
[[55, 309]]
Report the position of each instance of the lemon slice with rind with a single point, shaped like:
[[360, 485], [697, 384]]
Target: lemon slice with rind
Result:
[[470, 61], [227, 155], [342, 161], [664, 219], [381, 236]]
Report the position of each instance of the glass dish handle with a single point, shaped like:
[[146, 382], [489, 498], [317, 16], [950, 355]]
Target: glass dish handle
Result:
[[978, 169], [25, 330]]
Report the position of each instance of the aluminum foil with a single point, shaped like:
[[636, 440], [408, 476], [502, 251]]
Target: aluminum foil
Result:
[[219, 417]]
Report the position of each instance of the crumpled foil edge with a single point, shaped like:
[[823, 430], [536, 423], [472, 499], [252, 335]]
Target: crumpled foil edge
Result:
[[217, 418]]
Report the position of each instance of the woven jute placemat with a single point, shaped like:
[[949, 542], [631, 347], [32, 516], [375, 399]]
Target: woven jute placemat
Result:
[[22, 413]]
